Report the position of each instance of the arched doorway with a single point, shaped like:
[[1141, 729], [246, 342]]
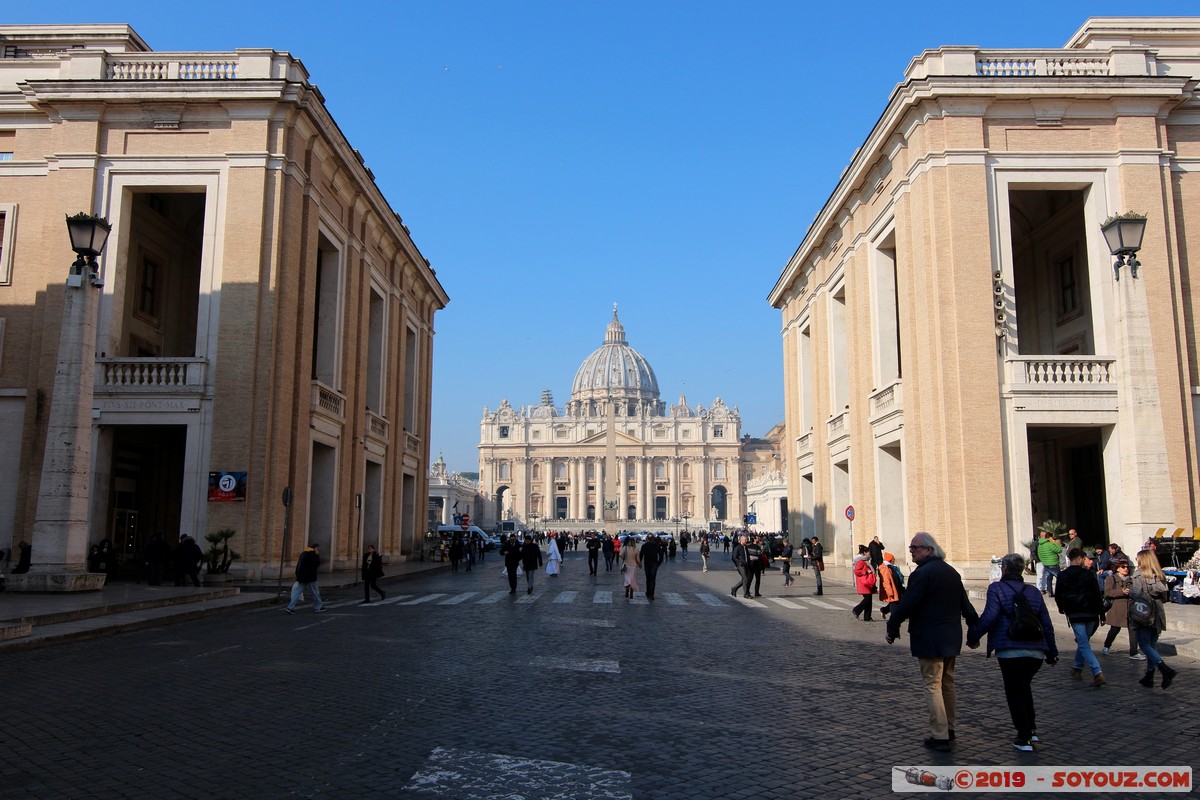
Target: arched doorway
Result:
[[719, 498], [503, 497]]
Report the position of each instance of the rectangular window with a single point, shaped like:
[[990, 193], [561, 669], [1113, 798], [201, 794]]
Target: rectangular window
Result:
[[535, 435], [5, 156], [8, 222], [718, 431], [1068, 287], [149, 281], [503, 431]]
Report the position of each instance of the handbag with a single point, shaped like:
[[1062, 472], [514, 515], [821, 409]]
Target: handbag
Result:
[[1141, 607], [820, 566]]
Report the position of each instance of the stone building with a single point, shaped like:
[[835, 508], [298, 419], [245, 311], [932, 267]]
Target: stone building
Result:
[[960, 355], [264, 322], [616, 453], [452, 496]]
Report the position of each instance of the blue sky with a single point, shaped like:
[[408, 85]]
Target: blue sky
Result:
[[552, 158]]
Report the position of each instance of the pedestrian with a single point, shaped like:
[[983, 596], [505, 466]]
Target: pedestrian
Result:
[[755, 558], [593, 554], [1148, 590], [1074, 540], [705, 551], [553, 559], [805, 552], [24, 558], [308, 566], [1116, 598], [672, 549], [684, 541], [875, 547], [864, 583], [1078, 597], [933, 605], [187, 561], [891, 584], [726, 539], [372, 571], [630, 561], [818, 563], [1019, 653], [1048, 552], [651, 557], [510, 551], [609, 549], [741, 562], [456, 551], [785, 560], [531, 561]]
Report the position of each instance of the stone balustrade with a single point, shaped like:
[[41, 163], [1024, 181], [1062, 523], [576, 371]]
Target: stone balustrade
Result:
[[1061, 372], [327, 401], [151, 374], [963, 61]]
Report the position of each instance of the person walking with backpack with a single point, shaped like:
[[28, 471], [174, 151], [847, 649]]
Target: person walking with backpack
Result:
[[1078, 597], [1148, 615], [891, 584], [1019, 632]]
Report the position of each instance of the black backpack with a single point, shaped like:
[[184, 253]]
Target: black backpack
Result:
[[1025, 625]]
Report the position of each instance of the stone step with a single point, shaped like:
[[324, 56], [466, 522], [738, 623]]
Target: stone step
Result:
[[140, 615], [89, 611]]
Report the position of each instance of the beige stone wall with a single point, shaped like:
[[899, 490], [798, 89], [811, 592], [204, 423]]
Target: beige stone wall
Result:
[[928, 175], [278, 172]]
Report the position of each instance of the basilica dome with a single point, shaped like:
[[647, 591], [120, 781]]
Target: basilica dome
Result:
[[615, 370]]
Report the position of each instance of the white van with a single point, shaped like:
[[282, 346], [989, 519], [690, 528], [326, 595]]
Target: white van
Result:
[[489, 542]]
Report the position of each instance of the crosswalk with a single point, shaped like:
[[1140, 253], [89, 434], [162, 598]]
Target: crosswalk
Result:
[[601, 597]]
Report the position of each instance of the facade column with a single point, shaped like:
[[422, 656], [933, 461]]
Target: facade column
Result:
[[580, 487], [704, 497], [643, 470], [601, 465], [735, 507], [673, 509], [520, 488], [622, 483]]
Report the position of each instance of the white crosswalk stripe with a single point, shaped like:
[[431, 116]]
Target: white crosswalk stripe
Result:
[[709, 600], [494, 597], [785, 603], [422, 599], [603, 597], [566, 597], [675, 598], [453, 601]]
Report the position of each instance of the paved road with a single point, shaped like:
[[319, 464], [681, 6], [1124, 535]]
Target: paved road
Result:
[[452, 688]]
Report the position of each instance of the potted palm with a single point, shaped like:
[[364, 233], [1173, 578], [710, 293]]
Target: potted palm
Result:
[[219, 556]]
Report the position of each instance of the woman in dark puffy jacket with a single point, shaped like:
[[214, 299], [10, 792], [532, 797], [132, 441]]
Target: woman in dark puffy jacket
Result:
[[1019, 660]]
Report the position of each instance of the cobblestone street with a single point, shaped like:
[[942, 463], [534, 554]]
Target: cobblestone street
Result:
[[453, 688]]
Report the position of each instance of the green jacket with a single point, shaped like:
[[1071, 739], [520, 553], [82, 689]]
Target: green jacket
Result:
[[1047, 552]]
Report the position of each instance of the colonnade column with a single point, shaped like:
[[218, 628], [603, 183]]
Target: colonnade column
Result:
[[641, 488], [674, 509], [622, 483], [601, 467], [548, 509]]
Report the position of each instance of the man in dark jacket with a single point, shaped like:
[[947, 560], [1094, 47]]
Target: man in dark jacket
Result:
[[741, 562], [817, 556], [307, 568], [1078, 597], [652, 556], [531, 560], [933, 603], [372, 571], [187, 561], [511, 552], [593, 553]]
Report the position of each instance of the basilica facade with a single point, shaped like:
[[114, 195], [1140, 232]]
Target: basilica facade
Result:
[[616, 456]]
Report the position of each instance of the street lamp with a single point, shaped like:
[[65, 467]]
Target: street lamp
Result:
[[88, 236], [686, 516], [1123, 233]]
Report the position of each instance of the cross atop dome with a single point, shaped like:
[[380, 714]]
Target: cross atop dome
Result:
[[616, 331]]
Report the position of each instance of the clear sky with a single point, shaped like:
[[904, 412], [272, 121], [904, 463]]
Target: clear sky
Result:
[[554, 158]]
